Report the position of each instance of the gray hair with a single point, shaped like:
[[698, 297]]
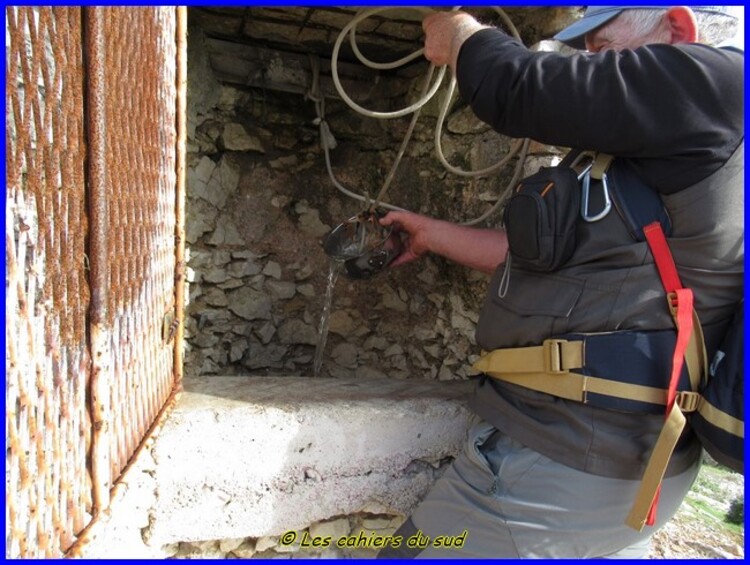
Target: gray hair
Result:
[[714, 26]]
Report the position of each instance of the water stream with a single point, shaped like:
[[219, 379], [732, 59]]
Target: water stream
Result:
[[333, 274]]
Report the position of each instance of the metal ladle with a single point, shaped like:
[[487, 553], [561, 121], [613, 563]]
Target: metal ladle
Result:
[[362, 245]]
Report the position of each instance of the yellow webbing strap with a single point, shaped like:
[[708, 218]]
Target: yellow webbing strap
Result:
[[546, 368], [553, 356], [721, 419], [600, 165], [655, 469], [696, 357], [573, 386]]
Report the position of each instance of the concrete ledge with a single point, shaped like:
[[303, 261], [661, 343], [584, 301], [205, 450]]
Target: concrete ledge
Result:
[[258, 456]]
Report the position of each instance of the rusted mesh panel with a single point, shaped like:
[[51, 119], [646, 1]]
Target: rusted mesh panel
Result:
[[140, 115], [48, 489]]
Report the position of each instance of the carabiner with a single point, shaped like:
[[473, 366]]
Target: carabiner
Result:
[[586, 175], [585, 171]]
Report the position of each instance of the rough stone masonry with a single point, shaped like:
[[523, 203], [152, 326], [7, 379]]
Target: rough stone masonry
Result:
[[259, 203]]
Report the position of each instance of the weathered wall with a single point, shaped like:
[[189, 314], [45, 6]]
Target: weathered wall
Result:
[[259, 203]]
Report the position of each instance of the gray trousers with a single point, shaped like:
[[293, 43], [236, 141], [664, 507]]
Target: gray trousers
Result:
[[501, 499]]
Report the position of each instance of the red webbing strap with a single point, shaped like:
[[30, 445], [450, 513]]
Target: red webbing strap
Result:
[[681, 307], [683, 301], [657, 241]]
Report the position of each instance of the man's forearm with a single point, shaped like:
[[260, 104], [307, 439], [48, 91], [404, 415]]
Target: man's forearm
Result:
[[480, 249]]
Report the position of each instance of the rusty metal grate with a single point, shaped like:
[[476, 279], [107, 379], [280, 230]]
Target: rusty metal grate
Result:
[[48, 490], [140, 119], [91, 160]]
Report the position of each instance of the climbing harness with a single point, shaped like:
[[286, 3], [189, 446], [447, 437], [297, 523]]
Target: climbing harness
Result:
[[649, 372]]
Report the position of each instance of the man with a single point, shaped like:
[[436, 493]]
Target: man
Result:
[[541, 476]]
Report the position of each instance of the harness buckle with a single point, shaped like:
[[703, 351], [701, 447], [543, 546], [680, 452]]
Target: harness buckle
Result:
[[553, 356], [688, 401], [672, 301]]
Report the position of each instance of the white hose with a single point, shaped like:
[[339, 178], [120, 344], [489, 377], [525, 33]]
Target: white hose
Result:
[[415, 108], [362, 15]]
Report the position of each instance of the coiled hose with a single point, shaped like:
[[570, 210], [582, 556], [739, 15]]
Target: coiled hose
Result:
[[430, 88]]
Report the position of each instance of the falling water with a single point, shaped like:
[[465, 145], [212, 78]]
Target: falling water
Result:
[[333, 274]]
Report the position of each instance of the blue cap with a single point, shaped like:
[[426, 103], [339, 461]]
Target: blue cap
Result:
[[596, 16]]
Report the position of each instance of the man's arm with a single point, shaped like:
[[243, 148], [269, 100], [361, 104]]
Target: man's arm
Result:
[[479, 249], [445, 33], [682, 105]]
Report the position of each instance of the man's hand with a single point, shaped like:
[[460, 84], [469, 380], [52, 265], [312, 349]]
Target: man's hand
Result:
[[480, 249], [417, 230], [445, 32]]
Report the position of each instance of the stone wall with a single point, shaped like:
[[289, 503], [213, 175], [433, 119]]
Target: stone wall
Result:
[[259, 203]]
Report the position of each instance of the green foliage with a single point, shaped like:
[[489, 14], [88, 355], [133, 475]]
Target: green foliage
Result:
[[736, 513], [714, 487]]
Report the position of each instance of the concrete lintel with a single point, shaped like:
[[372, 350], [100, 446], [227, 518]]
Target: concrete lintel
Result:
[[257, 456]]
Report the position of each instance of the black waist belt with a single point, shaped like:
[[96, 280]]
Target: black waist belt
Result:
[[625, 370]]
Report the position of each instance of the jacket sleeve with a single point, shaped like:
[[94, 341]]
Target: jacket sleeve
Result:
[[657, 101]]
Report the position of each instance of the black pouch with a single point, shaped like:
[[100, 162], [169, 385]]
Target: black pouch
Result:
[[540, 219]]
